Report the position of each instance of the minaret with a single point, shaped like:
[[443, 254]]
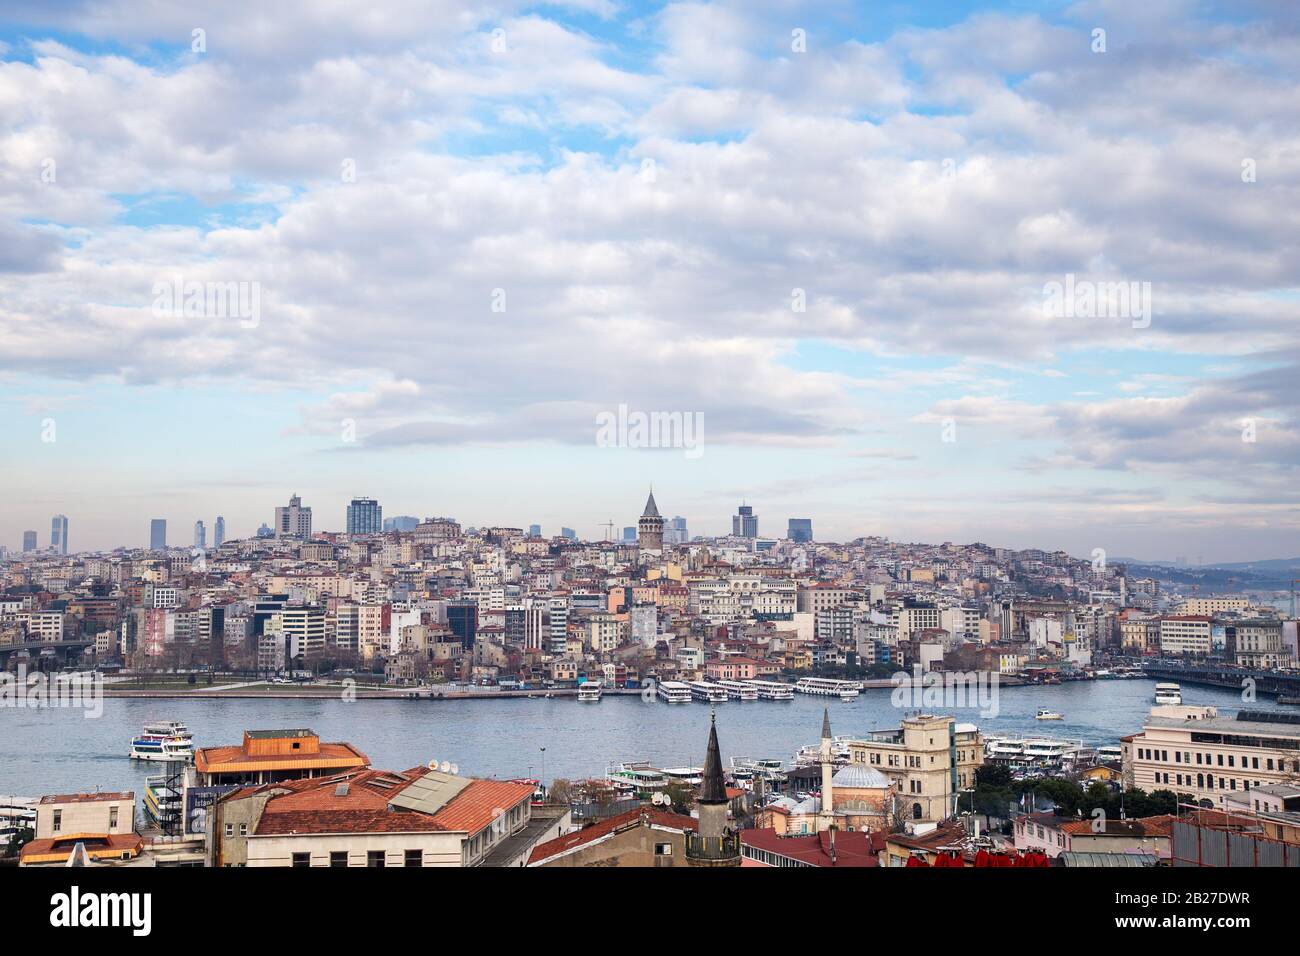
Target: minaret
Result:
[[714, 844], [827, 816], [650, 526]]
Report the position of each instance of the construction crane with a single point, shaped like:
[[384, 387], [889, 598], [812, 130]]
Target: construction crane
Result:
[[609, 529]]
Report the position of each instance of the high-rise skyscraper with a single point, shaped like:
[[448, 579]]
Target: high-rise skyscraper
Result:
[[568, 534], [158, 534], [650, 526], [365, 516], [29, 540], [744, 524], [401, 523], [293, 521], [676, 532], [534, 531], [59, 534], [200, 535], [219, 532], [800, 530]]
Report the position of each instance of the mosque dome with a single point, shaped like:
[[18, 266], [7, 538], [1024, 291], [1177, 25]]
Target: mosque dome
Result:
[[854, 777]]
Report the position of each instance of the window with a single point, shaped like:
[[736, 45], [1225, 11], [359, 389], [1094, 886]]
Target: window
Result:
[[375, 858], [230, 829], [414, 858], [58, 820], [243, 829], [338, 857], [302, 859], [663, 849], [112, 818]]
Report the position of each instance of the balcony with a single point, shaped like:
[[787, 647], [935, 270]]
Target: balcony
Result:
[[712, 849]]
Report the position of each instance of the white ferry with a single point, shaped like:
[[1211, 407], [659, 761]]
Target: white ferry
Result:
[[16, 814], [168, 728], [829, 687], [772, 689], [812, 753], [674, 692], [1169, 694], [1040, 750], [1004, 749], [1110, 753], [161, 802], [690, 776], [1044, 714], [636, 777], [711, 693], [589, 692], [166, 746], [745, 770], [739, 689]]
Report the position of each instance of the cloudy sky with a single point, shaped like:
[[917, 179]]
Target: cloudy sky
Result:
[[826, 229]]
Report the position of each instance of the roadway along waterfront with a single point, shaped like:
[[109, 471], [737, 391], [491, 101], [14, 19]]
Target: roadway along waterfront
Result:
[[59, 751]]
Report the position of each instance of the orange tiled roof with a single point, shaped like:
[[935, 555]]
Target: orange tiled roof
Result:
[[98, 845], [235, 759], [317, 806], [1143, 826]]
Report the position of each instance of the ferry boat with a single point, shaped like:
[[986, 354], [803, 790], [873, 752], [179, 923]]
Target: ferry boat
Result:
[[812, 753], [636, 777], [772, 689], [16, 814], [1110, 753], [1041, 751], [168, 728], [745, 770], [162, 803], [589, 692], [1004, 749], [1168, 694], [711, 693], [1044, 714], [739, 689], [165, 747], [674, 692], [829, 687]]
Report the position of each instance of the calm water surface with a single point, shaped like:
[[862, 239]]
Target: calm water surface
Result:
[[52, 751]]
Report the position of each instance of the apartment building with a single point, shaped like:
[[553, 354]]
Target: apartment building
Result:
[[929, 758], [1210, 606], [1186, 635], [1206, 758], [1258, 644]]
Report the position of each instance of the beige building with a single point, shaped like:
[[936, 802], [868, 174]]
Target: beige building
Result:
[[1185, 635], [1209, 606], [60, 816], [1206, 758], [929, 758]]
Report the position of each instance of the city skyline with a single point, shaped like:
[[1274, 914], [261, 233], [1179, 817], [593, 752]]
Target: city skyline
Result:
[[864, 255]]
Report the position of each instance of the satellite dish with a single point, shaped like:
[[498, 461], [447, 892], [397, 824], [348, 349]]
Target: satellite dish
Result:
[[433, 764], [445, 767], [455, 768]]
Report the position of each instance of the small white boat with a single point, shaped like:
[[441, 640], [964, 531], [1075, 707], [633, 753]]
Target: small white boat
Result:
[[1044, 714], [589, 692]]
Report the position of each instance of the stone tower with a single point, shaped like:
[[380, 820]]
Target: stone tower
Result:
[[715, 843], [650, 526], [826, 818]]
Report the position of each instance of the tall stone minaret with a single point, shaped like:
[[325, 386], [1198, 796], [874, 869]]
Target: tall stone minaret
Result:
[[715, 844], [827, 816]]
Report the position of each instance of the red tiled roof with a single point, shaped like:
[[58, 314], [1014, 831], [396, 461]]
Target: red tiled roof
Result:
[[1143, 826], [316, 806], [58, 849], [88, 797], [852, 848], [597, 831]]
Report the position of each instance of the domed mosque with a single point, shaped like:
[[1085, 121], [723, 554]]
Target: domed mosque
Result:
[[852, 798]]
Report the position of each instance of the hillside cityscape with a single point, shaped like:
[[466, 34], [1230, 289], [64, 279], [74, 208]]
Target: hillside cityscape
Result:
[[425, 613]]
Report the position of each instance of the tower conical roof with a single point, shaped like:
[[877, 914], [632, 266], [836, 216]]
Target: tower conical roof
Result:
[[713, 788], [651, 509], [826, 723]]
